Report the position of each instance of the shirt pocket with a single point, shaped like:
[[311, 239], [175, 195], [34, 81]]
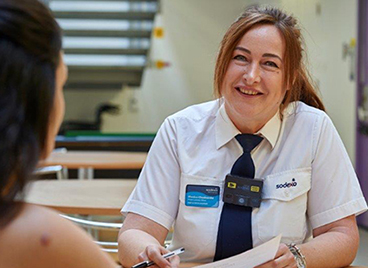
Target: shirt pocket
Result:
[[284, 206], [197, 225]]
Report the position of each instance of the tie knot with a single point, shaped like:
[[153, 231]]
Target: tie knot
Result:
[[248, 141]]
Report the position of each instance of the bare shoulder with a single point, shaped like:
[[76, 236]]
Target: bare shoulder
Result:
[[39, 237]]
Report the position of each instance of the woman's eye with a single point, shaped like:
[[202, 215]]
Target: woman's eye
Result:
[[271, 64], [240, 58]]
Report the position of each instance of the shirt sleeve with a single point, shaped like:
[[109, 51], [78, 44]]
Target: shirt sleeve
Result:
[[335, 191], [156, 195]]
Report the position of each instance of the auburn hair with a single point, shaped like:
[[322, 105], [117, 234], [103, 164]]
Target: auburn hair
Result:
[[296, 77]]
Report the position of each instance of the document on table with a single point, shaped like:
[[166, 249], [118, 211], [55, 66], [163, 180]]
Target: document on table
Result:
[[251, 258]]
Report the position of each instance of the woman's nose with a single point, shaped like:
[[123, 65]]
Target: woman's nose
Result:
[[252, 74]]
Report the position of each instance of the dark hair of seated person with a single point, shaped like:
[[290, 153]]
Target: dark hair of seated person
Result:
[[30, 45]]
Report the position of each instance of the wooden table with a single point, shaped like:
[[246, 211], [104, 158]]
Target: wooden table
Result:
[[90, 197], [97, 141], [87, 161]]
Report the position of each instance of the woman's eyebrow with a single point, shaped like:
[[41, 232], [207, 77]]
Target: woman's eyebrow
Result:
[[271, 55], [264, 55], [243, 49]]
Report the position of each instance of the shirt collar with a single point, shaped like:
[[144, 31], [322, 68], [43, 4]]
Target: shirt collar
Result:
[[226, 130], [271, 129]]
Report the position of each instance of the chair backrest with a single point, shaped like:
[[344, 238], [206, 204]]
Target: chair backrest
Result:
[[60, 171], [91, 225], [57, 170]]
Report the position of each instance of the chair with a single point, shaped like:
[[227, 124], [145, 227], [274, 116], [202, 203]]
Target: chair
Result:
[[107, 246], [58, 170]]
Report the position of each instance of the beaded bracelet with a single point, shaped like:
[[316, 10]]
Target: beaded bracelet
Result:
[[298, 256]]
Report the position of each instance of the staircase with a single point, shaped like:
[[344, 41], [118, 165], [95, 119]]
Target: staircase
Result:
[[105, 42]]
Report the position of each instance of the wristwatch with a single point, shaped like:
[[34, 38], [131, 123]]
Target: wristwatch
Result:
[[298, 256]]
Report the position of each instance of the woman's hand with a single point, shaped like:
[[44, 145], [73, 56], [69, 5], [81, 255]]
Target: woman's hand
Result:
[[284, 259], [154, 253], [140, 239]]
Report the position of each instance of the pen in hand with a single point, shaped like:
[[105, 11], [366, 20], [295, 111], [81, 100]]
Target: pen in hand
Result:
[[166, 256]]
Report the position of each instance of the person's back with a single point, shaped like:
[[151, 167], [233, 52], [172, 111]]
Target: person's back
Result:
[[32, 76], [39, 237]]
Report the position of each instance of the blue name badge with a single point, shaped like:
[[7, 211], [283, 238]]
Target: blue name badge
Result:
[[206, 196]]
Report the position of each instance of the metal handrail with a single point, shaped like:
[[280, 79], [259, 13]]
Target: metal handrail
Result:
[[94, 224], [107, 244], [102, 226], [109, 250]]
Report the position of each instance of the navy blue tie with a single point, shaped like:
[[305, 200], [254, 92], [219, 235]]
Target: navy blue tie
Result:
[[235, 228]]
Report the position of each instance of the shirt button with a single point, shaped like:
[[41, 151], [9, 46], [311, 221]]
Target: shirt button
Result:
[[287, 193]]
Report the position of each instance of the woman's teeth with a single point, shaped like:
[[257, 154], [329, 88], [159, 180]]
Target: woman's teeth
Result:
[[248, 92]]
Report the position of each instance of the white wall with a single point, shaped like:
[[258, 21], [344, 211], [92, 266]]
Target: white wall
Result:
[[325, 34], [193, 30]]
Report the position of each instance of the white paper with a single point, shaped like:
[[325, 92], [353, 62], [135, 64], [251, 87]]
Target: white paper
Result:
[[250, 258]]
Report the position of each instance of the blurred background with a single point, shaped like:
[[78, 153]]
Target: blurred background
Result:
[[132, 63], [186, 47]]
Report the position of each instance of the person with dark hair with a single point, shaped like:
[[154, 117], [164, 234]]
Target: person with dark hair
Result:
[[32, 76], [260, 160]]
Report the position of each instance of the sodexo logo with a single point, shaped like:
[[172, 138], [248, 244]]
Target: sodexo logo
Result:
[[293, 183]]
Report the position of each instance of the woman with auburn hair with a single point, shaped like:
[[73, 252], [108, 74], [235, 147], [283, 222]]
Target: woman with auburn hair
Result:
[[262, 159], [32, 76]]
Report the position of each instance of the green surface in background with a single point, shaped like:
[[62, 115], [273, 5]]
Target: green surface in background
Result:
[[76, 133]]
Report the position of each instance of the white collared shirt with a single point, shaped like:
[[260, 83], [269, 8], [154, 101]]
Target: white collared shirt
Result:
[[309, 180]]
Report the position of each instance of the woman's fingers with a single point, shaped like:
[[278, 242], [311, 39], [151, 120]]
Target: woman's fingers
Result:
[[142, 256], [284, 259], [154, 253], [175, 261]]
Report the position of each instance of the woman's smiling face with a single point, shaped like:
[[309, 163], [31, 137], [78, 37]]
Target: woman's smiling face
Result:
[[253, 86]]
